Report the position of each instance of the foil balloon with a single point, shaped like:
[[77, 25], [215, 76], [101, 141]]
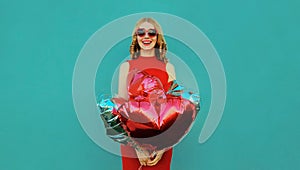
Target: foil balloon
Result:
[[152, 118], [114, 127]]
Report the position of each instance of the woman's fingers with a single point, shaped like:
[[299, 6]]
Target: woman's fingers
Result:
[[142, 162], [143, 157], [154, 161]]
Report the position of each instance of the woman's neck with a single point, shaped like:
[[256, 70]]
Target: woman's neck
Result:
[[147, 53]]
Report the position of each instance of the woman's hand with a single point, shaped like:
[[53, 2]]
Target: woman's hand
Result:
[[158, 155], [143, 156]]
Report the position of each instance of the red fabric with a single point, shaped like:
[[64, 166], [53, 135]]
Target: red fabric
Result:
[[134, 164], [150, 65], [157, 68]]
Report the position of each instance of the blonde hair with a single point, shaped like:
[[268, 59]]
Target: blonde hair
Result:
[[160, 46]]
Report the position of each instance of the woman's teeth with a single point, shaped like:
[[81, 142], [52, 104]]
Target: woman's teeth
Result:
[[147, 42]]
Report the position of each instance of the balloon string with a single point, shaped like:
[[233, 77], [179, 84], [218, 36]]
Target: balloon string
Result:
[[140, 168]]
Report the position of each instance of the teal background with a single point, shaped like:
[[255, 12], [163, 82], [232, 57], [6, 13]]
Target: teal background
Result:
[[257, 41]]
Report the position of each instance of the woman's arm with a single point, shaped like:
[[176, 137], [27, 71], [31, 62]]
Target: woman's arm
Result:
[[171, 71], [123, 73]]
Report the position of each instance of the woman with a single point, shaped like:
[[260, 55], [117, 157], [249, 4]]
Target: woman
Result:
[[147, 52]]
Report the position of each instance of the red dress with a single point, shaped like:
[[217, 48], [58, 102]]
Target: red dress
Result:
[[157, 68]]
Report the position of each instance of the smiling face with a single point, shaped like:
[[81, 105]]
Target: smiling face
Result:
[[146, 36], [148, 40]]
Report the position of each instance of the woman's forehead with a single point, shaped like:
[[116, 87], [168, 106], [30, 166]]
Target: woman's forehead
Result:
[[146, 25]]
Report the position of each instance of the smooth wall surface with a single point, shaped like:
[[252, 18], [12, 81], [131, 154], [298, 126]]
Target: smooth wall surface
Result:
[[257, 41]]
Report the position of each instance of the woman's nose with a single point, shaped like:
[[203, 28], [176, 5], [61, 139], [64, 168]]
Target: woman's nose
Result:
[[146, 35]]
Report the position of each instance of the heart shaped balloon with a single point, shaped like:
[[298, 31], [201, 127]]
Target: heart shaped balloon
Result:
[[152, 117]]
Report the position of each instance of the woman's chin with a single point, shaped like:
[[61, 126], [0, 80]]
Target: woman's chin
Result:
[[147, 48]]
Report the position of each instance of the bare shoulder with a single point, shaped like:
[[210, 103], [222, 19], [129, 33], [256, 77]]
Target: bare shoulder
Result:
[[170, 67], [171, 71], [124, 66]]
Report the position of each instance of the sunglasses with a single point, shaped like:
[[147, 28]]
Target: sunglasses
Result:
[[141, 32]]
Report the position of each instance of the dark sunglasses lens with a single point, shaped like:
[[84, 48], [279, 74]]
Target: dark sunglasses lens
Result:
[[152, 32], [140, 32]]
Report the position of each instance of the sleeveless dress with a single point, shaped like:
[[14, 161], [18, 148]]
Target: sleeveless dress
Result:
[[152, 66]]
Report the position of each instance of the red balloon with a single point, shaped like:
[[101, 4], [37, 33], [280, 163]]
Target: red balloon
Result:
[[154, 119]]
